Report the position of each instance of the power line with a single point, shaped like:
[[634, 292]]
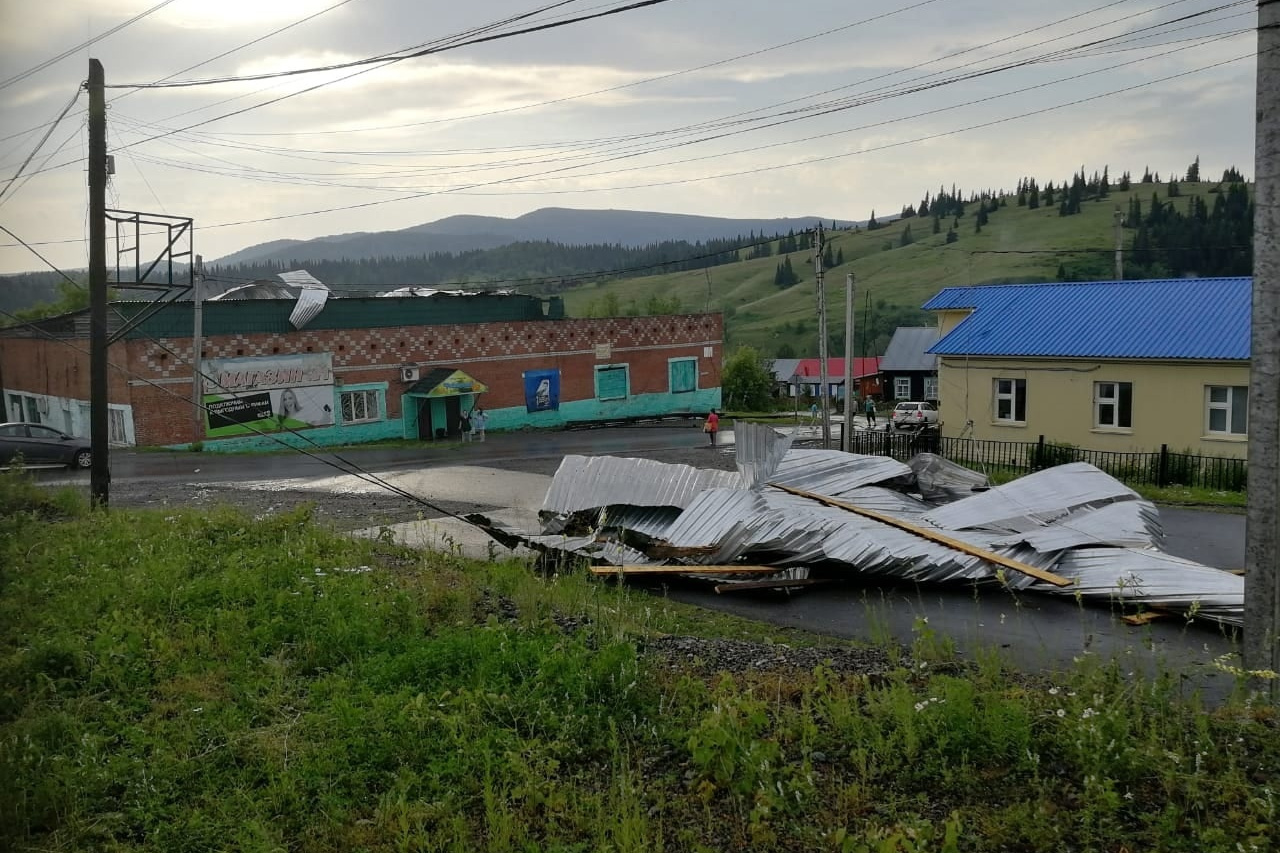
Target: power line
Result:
[[52, 127], [399, 56], [70, 51]]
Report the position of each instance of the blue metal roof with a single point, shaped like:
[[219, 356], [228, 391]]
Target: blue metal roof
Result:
[[1182, 318]]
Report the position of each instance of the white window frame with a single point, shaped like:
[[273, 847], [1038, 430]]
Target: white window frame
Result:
[[1013, 397], [1236, 399], [902, 387], [372, 403], [1104, 401], [931, 388]]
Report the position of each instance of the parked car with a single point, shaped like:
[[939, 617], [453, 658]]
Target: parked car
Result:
[[913, 416], [38, 444]]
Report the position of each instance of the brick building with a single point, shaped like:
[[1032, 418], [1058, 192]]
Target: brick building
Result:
[[363, 369]]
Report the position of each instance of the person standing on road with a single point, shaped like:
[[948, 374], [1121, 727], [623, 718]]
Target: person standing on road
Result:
[[871, 412], [479, 420], [464, 426], [813, 413], [712, 426]]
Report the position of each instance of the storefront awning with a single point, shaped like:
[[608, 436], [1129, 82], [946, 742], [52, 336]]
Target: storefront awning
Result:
[[446, 382]]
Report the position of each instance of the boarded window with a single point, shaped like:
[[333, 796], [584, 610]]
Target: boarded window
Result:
[[683, 374]]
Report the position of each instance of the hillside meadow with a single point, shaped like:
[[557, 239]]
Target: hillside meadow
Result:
[[1017, 244]]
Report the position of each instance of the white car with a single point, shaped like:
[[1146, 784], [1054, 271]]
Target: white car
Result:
[[913, 416]]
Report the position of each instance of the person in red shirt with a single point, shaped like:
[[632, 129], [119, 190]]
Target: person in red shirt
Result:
[[712, 426]]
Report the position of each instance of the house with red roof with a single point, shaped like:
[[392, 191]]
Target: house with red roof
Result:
[[866, 376]]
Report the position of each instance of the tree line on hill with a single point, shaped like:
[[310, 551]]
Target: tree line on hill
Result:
[[560, 265]]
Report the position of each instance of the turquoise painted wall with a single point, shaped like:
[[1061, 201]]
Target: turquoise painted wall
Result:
[[516, 417]]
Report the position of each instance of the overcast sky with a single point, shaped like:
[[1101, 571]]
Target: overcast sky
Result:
[[740, 108]]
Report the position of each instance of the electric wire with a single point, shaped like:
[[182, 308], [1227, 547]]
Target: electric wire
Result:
[[40, 144], [4, 84]]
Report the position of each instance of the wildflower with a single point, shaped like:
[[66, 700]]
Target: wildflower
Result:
[[1062, 712], [920, 706], [1087, 713], [1053, 691]]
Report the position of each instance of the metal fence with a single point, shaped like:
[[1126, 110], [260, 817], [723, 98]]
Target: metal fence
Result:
[[1156, 468]]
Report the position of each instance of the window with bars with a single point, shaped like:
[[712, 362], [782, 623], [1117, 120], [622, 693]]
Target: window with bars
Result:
[[359, 406], [1113, 405]]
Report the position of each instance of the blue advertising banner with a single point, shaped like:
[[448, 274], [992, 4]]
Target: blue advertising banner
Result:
[[541, 390]]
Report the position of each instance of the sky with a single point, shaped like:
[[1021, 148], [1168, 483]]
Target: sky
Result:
[[735, 108]]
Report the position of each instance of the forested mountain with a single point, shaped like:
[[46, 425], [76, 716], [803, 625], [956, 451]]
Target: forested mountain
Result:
[[459, 234]]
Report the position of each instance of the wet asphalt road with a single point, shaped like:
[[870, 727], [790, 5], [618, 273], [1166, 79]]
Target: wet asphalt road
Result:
[[1033, 632]]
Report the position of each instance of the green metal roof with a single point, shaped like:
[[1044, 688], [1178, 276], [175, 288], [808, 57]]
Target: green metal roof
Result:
[[271, 316]]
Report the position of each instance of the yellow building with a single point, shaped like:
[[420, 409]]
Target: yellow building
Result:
[[1112, 366]]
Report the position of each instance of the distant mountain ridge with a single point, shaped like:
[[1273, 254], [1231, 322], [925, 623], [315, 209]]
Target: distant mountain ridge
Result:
[[555, 224]]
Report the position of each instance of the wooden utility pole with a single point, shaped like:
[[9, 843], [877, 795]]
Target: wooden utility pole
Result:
[[846, 431], [1262, 528], [99, 439], [197, 351], [822, 341]]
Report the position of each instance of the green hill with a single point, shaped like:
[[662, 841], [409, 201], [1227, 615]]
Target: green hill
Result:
[[1017, 244]]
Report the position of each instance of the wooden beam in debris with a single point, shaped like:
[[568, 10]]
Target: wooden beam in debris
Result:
[[935, 536], [606, 571]]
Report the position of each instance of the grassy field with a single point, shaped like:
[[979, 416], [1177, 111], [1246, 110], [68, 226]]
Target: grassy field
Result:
[[1017, 245], [180, 681]]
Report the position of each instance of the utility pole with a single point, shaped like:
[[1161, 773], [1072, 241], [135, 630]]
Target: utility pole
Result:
[[1119, 219], [846, 432], [1262, 524], [100, 469], [197, 350], [822, 341]]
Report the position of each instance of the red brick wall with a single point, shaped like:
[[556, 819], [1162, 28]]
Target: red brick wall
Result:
[[494, 353]]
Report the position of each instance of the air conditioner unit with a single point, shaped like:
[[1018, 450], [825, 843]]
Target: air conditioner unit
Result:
[[409, 374]]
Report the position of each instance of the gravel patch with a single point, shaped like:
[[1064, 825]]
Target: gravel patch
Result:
[[710, 656]]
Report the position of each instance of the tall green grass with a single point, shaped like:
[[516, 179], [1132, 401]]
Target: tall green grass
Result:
[[190, 681]]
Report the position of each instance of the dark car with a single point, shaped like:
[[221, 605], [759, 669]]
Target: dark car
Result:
[[38, 444]]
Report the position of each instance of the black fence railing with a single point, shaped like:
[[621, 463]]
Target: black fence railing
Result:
[[1156, 468]]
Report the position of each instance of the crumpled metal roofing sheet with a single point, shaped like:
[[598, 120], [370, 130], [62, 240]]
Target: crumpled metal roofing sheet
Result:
[[940, 479], [834, 473], [1156, 579], [758, 450], [590, 482], [1134, 524], [651, 521], [1033, 500]]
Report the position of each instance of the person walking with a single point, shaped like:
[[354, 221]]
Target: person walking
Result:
[[479, 420], [712, 426], [813, 414], [464, 427], [870, 408]]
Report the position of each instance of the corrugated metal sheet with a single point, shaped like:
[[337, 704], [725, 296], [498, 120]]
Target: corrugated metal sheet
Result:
[[1157, 580], [1053, 520], [1134, 524], [1034, 500], [758, 450], [590, 482], [941, 480], [834, 473], [909, 349], [1206, 318]]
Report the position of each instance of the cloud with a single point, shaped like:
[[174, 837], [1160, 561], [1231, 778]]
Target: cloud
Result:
[[576, 114]]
